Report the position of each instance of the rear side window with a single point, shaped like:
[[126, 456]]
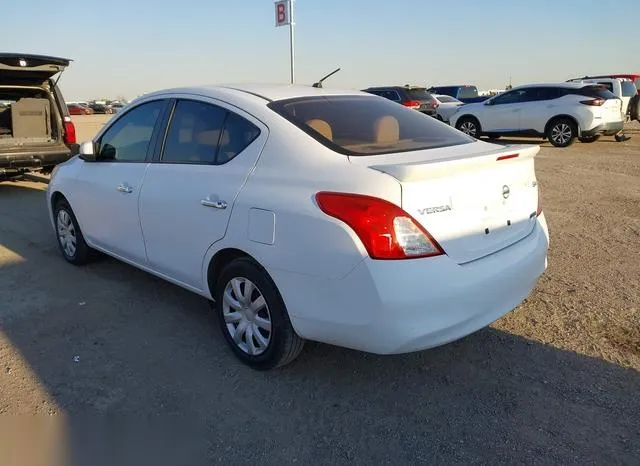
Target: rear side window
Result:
[[203, 133], [361, 125], [628, 89]]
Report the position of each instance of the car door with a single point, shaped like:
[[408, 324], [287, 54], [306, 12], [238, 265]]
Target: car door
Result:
[[502, 113], [539, 105], [107, 190], [190, 187]]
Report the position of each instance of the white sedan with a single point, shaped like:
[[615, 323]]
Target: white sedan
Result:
[[447, 106], [306, 213]]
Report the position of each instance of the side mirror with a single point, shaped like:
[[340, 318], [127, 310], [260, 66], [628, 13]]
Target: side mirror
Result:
[[87, 151]]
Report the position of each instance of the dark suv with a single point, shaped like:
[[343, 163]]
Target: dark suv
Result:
[[410, 96], [36, 131]]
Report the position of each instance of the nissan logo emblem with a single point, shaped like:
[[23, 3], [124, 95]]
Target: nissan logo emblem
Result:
[[505, 191]]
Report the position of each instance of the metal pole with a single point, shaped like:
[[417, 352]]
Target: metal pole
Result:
[[291, 41]]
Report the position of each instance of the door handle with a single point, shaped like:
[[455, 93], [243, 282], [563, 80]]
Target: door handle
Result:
[[215, 204], [124, 189]]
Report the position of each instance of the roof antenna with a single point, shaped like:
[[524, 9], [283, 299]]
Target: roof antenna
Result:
[[319, 83]]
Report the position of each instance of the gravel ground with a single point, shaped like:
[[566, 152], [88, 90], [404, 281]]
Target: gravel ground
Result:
[[554, 382]]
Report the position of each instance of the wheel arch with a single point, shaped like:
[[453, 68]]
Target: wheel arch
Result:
[[557, 117], [218, 262]]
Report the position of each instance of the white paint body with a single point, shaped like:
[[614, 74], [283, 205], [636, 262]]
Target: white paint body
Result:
[[334, 292], [535, 115], [446, 107]]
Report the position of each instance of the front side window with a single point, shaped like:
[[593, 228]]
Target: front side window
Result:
[[203, 133], [361, 125], [127, 140], [512, 97]]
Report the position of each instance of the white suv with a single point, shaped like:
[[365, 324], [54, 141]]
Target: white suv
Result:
[[559, 112]]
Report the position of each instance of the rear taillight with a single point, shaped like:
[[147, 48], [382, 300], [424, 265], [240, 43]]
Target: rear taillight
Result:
[[69, 131], [593, 102], [386, 231], [435, 105], [414, 104]]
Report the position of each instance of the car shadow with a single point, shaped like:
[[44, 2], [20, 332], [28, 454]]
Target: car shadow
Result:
[[109, 342]]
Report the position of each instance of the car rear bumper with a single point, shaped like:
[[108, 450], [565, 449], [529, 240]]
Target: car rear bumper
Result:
[[388, 307], [607, 129], [14, 163]]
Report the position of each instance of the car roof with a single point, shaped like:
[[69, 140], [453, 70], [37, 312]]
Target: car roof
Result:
[[569, 85], [380, 88], [268, 92]]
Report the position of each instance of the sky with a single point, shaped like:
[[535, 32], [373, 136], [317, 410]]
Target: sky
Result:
[[129, 47]]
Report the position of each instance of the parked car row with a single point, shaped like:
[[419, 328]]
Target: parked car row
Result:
[[89, 108], [582, 108]]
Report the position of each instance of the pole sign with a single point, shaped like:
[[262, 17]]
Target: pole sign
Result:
[[282, 13]]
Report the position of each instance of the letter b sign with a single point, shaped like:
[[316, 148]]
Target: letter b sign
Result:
[[282, 18]]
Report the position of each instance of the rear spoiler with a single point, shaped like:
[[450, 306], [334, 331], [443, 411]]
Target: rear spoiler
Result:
[[441, 167]]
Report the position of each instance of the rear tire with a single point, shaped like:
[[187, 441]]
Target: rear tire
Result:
[[470, 126], [589, 139], [634, 108], [253, 317], [70, 239], [562, 132]]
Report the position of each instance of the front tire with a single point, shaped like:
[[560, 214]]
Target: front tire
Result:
[[253, 317], [469, 126], [562, 132], [70, 239]]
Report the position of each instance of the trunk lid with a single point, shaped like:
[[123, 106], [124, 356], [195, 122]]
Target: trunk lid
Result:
[[473, 199], [41, 67]]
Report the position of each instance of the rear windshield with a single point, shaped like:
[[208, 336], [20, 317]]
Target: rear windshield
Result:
[[418, 94], [468, 92], [597, 91], [447, 98], [363, 125], [628, 89]]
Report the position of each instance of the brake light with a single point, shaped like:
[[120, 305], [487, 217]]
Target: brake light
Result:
[[507, 157], [414, 104], [435, 105], [593, 102], [69, 131], [386, 231]]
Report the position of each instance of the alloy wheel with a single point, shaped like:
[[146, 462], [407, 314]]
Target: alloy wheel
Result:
[[561, 133], [246, 316], [469, 128]]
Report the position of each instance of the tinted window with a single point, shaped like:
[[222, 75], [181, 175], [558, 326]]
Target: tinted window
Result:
[[128, 138], [387, 94], [609, 86], [418, 94], [628, 89], [194, 133], [360, 125], [467, 92], [206, 134], [238, 133], [596, 91], [511, 97], [542, 93]]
